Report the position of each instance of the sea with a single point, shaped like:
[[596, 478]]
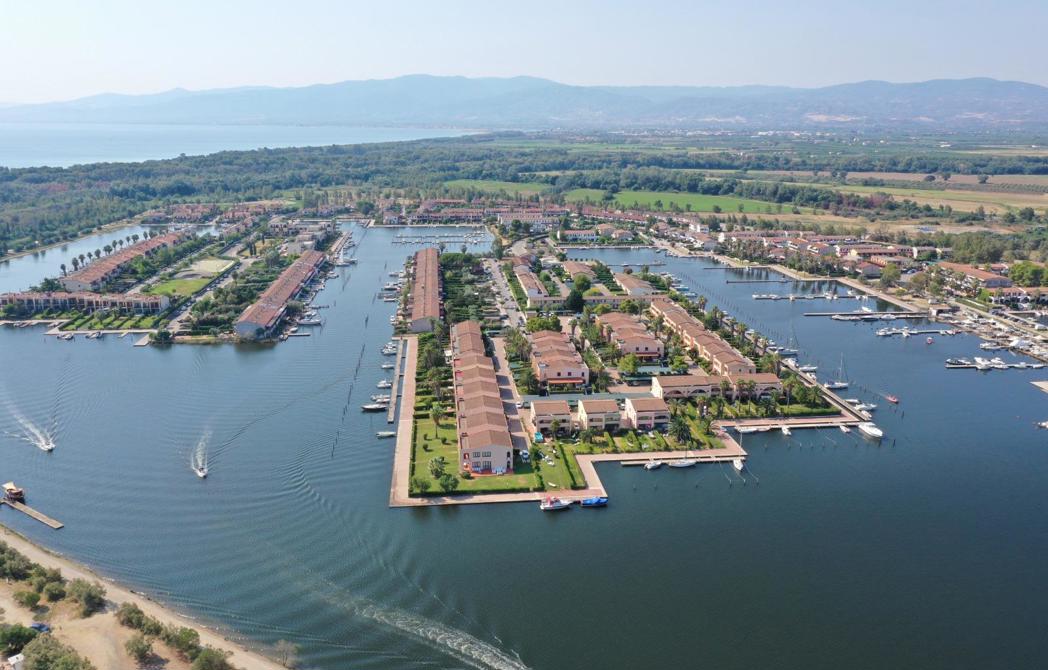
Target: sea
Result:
[[65, 144], [925, 549]]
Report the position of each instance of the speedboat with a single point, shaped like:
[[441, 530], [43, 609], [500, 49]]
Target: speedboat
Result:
[[928, 340], [866, 406], [551, 504], [595, 501], [386, 433], [1043, 424], [201, 471], [374, 407], [892, 399], [738, 464], [384, 384], [870, 429], [14, 493], [652, 465], [682, 463], [381, 398], [786, 431], [844, 429]]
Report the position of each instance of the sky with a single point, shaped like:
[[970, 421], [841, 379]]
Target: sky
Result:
[[60, 50]]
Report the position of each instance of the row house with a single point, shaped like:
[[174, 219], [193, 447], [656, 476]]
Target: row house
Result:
[[599, 414], [723, 359], [703, 386], [575, 268], [425, 291], [545, 412], [555, 361], [646, 414], [634, 286], [630, 336], [484, 442], [578, 235], [127, 303]]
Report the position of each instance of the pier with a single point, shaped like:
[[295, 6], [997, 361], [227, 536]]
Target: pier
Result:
[[29, 511], [392, 411]]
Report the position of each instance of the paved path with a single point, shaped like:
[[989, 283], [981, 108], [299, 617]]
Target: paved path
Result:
[[399, 490]]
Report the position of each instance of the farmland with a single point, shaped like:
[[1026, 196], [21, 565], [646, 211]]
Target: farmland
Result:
[[695, 202], [495, 187]]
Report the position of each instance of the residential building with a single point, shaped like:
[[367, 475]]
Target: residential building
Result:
[[622, 235], [578, 235], [93, 276], [723, 359], [545, 412], [972, 277], [128, 303], [530, 283], [599, 414], [634, 286], [425, 291], [555, 361], [646, 414], [575, 268], [630, 336], [484, 441], [261, 318]]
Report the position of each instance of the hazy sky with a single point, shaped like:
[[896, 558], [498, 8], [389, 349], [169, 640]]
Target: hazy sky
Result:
[[56, 49]]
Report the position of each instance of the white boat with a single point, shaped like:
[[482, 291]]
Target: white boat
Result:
[[1043, 424], [381, 398], [384, 384], [870, 429], [835, 386], [374, 407], [552, 504], [388, 366], [386, 433], [389, 352], [745, 430], [201, 471], [737, 463], [844, 429], [786, 431], [808, 368], [682, 463], [866, 406], [652, 465]]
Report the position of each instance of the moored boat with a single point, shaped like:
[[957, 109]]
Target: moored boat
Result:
[[844, 429], [652, 465], [682, 463], [738, 464], [786, 430], [552, 504], [386, 433], [375, 407], [595, 501], [13, 493], [870, 429]]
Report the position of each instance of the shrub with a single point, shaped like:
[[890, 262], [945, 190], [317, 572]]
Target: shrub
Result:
[[91, 597], [211, 659], [54, 591], [28, 599], [14, 637], [47, 653], [139, 648]]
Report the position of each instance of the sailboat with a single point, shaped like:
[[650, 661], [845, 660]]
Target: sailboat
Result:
[[652, 465], [837, 383], [685, 462]]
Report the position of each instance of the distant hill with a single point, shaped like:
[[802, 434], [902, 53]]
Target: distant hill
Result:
[[533, 103]]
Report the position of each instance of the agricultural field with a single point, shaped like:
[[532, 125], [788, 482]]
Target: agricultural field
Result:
[[695, 202], [964, 201], [496, 187]]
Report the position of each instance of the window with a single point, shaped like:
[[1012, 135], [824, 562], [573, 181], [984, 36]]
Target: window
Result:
[[487, 454]]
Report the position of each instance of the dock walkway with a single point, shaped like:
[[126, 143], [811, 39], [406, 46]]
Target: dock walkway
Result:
[[29, 511], [392, 411]]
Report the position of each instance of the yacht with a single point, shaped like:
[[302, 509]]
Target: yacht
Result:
[[595, 501], [807, 368], [844, 429], [552, 504], [745, 430], [381, 398], [386, 433], [982, 364], [652, 465], [385, 384], [682, 463], [835, 386], [738, 464], [871, 429], [959, 363], [866, 407], [786, 431], [388, 366], [374, 407]]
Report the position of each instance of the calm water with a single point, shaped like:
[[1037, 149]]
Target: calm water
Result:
[[65, 144], [926, 551]]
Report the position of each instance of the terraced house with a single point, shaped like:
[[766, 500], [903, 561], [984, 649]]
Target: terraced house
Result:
[[261, 318], [484, 442], [630, 336], [556, 363], [425, 291], [96, 274], [723, 359]]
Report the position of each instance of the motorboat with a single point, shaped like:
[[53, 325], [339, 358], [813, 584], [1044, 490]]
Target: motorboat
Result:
[[682, 463], [374, 407], [835, 386], [1043, 424], [13, 493], [982, 364], [201, 471], [738, 464], [653, 465], [807, 368], [959, 363], [384, 384], [386, 433], [786, 431], [380, 398], [746, 430], [866, 407], [386, 351], [844, 429], [595, 501], [892, 399], [552, 504], [388, 366], [870, 429], [928, 340]]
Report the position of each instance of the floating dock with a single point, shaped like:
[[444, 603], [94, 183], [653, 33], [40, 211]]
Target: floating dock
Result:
[[29, 511], [392, 411]]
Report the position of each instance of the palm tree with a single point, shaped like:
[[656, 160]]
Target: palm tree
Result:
[[63, 267], [680, 430], [436, 413]]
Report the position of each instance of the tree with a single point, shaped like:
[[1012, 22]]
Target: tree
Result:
[[139, 648], [680, 430], [423, 485], [437, 467], [63, 268], [13, 637], [574, 302], [890, 275], [210, 659], [92, 597], [448, 482], [27, 599], [436, 413], [582, 282], [628, 364], [53, 592], [529, 381], [287, 653], [554, 426]]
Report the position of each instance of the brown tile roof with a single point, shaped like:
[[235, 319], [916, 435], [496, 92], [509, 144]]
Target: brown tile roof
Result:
[[596, 406], [269, 307], [425, 293], [550, 407], [101, 268], [648, 404]]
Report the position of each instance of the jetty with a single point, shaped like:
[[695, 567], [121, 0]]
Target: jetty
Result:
[[392, 411], [29, 511]]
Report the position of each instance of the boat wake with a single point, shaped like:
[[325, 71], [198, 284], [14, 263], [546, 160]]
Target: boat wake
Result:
[[198, 458], [41, 438]]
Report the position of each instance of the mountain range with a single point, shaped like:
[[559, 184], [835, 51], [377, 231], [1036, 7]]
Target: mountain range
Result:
[[527, 103]]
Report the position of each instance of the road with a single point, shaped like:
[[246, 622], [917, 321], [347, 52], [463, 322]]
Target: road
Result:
[[509, 304], [510, 397]]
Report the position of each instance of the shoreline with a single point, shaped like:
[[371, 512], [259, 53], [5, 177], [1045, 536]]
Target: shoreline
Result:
[[107, 228], [116, 593]]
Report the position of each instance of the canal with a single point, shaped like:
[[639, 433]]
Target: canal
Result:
[[925, 550]]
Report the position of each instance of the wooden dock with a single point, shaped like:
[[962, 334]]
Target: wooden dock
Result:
[[29, 511], [392, 411]]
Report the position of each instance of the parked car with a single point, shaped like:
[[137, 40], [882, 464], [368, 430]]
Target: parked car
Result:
[[40, 627]]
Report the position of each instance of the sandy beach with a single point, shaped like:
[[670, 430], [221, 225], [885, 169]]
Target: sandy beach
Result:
[[101, 638]]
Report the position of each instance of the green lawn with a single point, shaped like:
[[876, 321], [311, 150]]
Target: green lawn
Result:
[[698, 201], [493, 186], [179, 287]]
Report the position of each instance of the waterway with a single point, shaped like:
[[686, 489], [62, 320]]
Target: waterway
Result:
[[925, 550], [65, 144]]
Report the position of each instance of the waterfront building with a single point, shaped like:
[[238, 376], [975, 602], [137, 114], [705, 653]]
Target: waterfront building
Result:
[[425, 291], [599, 414], [555, 361], [128, 303], [545, 412], [630, 336], [621, 235], [723, 359], [646, 414], [262, 317], [972, 278], [536, 221], [701, 385], [578, 235], [98, 272], [575, 268], [484, 442], [634, 286], [604, 229]]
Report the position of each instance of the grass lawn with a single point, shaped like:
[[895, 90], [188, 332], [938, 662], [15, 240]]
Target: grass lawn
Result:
[[698, 201], [493, 186], [429, 445], [179, 287]]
